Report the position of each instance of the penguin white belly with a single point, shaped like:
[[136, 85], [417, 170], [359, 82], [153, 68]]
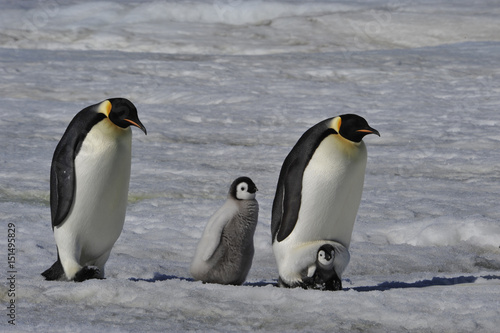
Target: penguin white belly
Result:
[[332, 185], [96, 218], [331, 193]]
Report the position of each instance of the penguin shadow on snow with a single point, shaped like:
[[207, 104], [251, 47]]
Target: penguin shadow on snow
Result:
[[384, 286], [436, 281], [164, 277]]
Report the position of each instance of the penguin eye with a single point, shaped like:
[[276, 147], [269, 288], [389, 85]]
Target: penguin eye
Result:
[[242, 191], [120, 112]]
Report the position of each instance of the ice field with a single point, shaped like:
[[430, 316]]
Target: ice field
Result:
[[225, 89]]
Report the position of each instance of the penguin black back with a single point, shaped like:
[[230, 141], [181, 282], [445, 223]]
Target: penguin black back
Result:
[[285, 212], [62, 172]]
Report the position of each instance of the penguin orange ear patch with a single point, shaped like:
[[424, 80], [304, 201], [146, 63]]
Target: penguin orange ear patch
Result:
[[105, 107]]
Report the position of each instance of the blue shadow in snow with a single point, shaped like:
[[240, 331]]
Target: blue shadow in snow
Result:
[[436, 281], [261, 283], [161, 277]]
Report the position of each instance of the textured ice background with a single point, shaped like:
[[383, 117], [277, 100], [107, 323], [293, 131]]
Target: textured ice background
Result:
[[225, 89]]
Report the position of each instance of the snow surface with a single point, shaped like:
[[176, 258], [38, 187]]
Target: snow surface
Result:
[[225, 89]]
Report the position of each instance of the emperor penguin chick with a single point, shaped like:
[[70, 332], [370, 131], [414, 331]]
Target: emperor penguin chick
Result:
[[322, 275], [89, 180], [318, 194], [225, 252]]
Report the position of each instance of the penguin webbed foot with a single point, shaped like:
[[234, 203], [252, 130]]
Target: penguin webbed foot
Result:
[[55, 272], [333, 284], [87, 273], [282, 284], [308, 283], [316, 283]]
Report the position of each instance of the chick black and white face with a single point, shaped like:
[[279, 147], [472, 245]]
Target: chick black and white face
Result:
[[326, 255], [243, 188], [243, 192]]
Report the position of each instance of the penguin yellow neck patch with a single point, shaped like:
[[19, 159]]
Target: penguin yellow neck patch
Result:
[[105, 108], [335, 124]]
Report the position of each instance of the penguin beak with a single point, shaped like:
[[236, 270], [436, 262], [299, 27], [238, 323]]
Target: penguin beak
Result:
[[137, 124], [369, 131]]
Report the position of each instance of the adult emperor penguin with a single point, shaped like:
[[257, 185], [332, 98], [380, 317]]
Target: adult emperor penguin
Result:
[[89, 180], [225, 252], [318, 195]]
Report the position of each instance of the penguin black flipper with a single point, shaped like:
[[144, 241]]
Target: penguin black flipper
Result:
[[288, 201], [62, 171], [286, 204]]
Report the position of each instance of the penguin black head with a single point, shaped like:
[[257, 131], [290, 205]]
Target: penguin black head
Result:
[[353, 127], [122, 113], [243, 188], [326, 255]]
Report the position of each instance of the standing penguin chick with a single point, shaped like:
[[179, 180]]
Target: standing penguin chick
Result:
[[321, 275], [225, 252], [318, 195], [89, 180]]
